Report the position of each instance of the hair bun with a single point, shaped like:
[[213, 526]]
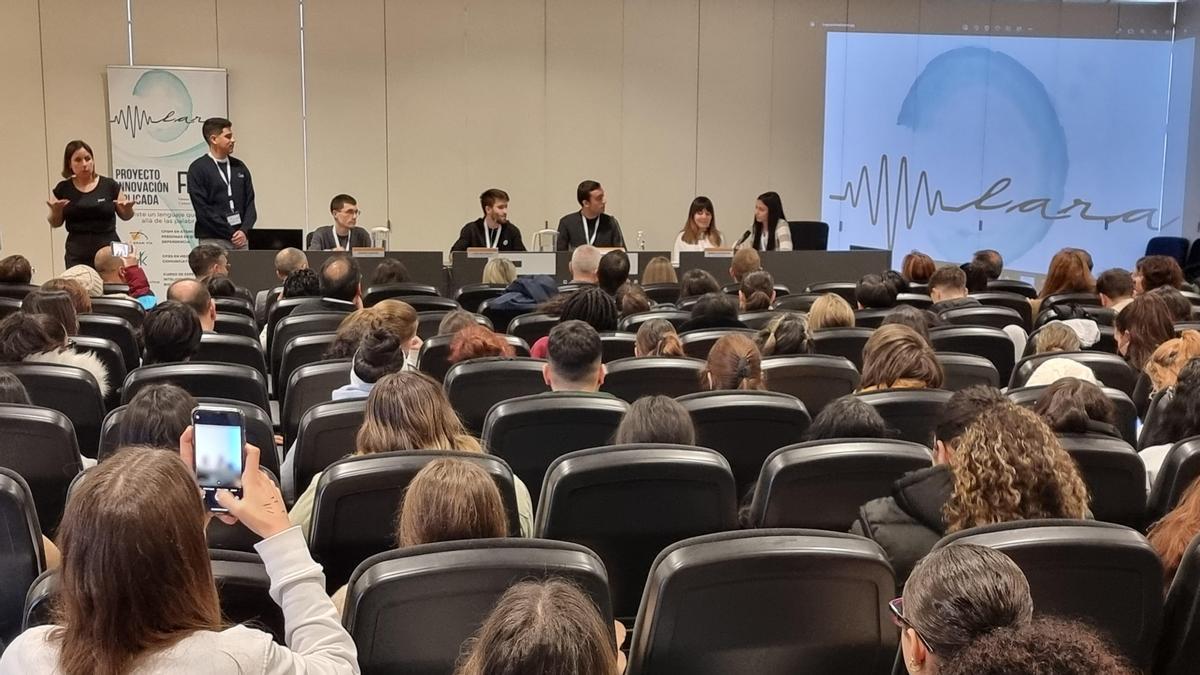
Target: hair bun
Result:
[[378, 348]]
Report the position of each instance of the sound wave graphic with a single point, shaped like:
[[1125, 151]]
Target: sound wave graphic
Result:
[[134, 119], [879, 196]]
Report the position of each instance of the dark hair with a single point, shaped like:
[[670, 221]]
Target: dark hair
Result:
[[976, 277], [612, 271], [848, 417], [339, 201], [657, 337], [656, 419], [340, 277], [1178, 304], [1115, 283], [593, 306], [757, 290], [72, 148], [203, 257], [920, 320], [631, 299], [390, 271], [895, 280], [872, 292], [490, 197], [475, 341], [774, 214], [917, 267], [1181, 416], [221, 286], [691, 233], [11, 389], [948, 276], [192, 293], [53, 328], [171, 333], [55, 304], [156, 417], [213, 126], [991, 261], [583, 193], [1148, 323], [784, 334], [1159, 270], [1068, 405], [22, 334], [962, 408], [15, 269], [734, 362], [1044, 646], [697, 282], [380, 352], [715, 306], [302, 283], [574, 350]]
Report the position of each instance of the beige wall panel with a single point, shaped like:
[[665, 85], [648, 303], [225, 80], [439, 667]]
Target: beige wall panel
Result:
[[347, 107], [506, 109], [658, 171], [79, 38], [23, 227], [427, 101], [259, 43], [583, 103], [734, 140], [175, 32]]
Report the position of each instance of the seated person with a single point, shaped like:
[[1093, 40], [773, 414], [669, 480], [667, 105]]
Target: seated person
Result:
[[990, 261], [390, 271], [1115, 288], [170, 334], [41, 338], [476, 341], [612, 271], [195, 295], [948, 289], [391, 315], [221, 286], [745, 261], [917, 267], [895, 280], [499, 272], [657, 337], [1154, 271], [156, 417], [830, 311], [695, 283], [208, 259], [713, 310], [80, 300], [380, 352], [785, 335], [301, 283], [1056, 336], [341, 287], [114, 270], [1052, 370], [1071, 406], [977, 278], [756, 293], [631, 299], [87, 277], [585, 265], [15, 269], [456, 320], [1174, 532], [848, 417], [656, 419], [589, 304], [659, 271], [872, 292], [897, 357], [56, 304], [344, 234], [1178, 420], [289, 260], [1044, 645], [920, 320], [574, 358], [1178, 304], [493, 230], [733, 363]]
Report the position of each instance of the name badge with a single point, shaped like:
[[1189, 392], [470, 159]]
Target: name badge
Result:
[[234, 219]]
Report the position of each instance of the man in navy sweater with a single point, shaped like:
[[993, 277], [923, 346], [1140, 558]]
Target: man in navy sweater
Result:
[[220, 189]]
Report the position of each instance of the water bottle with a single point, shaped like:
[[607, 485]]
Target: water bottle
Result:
[[641, 240]]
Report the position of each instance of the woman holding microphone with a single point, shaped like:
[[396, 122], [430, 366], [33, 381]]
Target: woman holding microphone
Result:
[[88, 204]]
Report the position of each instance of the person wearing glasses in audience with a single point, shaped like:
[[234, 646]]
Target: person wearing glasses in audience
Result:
[[493, 230], [590, 224], [344, 234]]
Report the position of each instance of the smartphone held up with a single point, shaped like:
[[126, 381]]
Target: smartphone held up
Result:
[[220, 435]]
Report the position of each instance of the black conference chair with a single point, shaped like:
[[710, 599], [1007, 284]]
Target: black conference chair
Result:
[[800, 302], [1106, 575], [915, 299], [244, 591], [9, 306], [264, 300], [766, 601], [299, 351], [628, 502], [845, 342], [663, 294], [914, 412], [530, 432], [631, 379], [617, 345], [532, 327], [1155, 418], [966, 370], [39, 446], [1110, 369], [236, 324], [470, 296], [634, 321], [1126, 422], [698, 343], [815, 379], [1071, 299], [919, 289], [1115, 477], [21, 554], [1016, 286], [992, 344], [69, 390], [110, 355], [474, 386], [996, 317], [283, 308], [822, 484], [429, 322], [327, 433], [399, 290], [308, 386], [809, 235], [219, 380], [746, 426], [127, 308], [16, 291], [116, 329], [116, 289], [292, 327], [426, 303], [1014, 301], [234, 306], [236, 349], [846, 289], [1179, 646], [358, 498], [758, 320], [1179, 470], [434, 357], [870, 318], [452, 587], [499, 317]]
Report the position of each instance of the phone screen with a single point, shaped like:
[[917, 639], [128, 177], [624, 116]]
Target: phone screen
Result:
[[120, 250], [219, 434]]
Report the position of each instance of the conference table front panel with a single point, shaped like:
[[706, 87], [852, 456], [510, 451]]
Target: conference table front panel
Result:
[[795, 269], [467, 266], [255, 270]]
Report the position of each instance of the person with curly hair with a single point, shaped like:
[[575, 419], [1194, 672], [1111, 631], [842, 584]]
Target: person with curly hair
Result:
[[1044, 646]]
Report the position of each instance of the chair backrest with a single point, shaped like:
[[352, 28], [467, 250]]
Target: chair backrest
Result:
[[920, 300], [532, 327], [1071, 299], [9, 306], [746, 426], [236, 324], [309, 385], [1014, 301], [292, 327], [530, 432], [1126, 410], [198, 378], [871, 318], [815, 379], [991, 343], [996, 317], [634, 321], [913, 412], [662, 293], [282, 308], [71, 391], [1175, 247], [766, 601], [21, 556], [800, 302], [239, 349], [758, 320], [809, 235], [358, 500], [822, 484], [617, 345], [846, 289], [327, 433], [847, 343], [659, 494], [127, 308], [1179, 469], [16, 291], [1115, 477], [234, 306], [966, 370], [428, 322], [1106, 575], [426, 303], [1179, 646], [471, 295], [116, 329], [109, 354], [1110, 369], [399, 290], [39, 446], [698, 343], [1013, 286], [499, 316], [474, 386], [409, 611], [299, 351], [631, 379]]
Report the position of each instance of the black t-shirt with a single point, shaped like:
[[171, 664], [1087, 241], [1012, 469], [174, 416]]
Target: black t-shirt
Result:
[[92, 212]]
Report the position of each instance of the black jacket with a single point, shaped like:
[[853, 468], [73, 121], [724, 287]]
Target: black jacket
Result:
[[210, 197], [571, 235], [908, 524], [471, 236]]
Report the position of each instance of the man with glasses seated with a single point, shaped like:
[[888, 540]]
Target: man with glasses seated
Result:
[[345, 233]]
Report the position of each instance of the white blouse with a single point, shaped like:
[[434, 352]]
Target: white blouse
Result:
[[681, 245]]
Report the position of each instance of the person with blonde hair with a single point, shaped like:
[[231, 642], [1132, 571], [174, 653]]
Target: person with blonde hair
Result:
[[499, 271], [1056, 336], [733, 363], [745, 261], [897, 357], [830, 311], [394, 316], [784, 335], [1164, 364], [659, 271]]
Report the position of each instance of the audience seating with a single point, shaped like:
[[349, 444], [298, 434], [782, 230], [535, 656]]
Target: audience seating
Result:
[[1154, 417], [234, 306], [471, 295], [966, 370], [530, 432], [127, 308], [996, 317], [16, 291], [919, 289], [358, 501], [746, 426], [1104, 316], [822, 484], [220, 380], [628, 502], [844, 342], [309, 385], [764, 601], [1104, 574], [1179, 470], [327, 432], [264, 300], [532, 327], [21, 555], [758, 320], [992, 344], [499, 317], [846, 289], [71, 391], [1110, 369], [912, 412], [434, 357], [1127, 417], [634, 321], [1071, 299], [685, 304], [815, 379], [299, 351], [9, 306], [474, 386], [631, 379], [429, 322], [110, 355], [617, 345], [1013, 286], [116, 329], [244, 590], [663, 294], [39, 599], [920, 300], [409, 611], [1115, 477], [698, 343], [399, 291], [40, 446], [236, 349], [1014, 301], [1179, 645], [283, 308], [871, 318], [292, 327], [236, 324], [572, 286], [427, 303], [800, 302]]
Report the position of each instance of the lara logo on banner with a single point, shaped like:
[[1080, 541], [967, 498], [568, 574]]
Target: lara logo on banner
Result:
[[162, 107]]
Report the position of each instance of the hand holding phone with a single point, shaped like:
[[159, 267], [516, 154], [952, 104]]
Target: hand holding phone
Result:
[[260, 507]]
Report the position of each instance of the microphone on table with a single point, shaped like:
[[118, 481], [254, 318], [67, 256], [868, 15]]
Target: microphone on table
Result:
[[745, 236]]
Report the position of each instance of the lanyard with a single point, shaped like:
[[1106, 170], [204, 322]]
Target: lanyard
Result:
[[349, 235], [225, 179], [591, 238], [487, 237]]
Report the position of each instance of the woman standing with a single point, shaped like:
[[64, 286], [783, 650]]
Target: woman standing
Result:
[[770, 231], [700, 231], [87, 203]]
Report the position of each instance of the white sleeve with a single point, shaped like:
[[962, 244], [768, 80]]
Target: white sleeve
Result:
[[316, 640], [675, 249], [783, 236]]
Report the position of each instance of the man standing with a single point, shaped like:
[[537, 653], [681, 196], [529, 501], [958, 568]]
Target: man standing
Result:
[[590, 224], [220, 189], [345, 233], [493, 230]]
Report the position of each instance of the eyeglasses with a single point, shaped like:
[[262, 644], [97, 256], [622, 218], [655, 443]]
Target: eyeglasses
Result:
[[898, 618], [352, 212]]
